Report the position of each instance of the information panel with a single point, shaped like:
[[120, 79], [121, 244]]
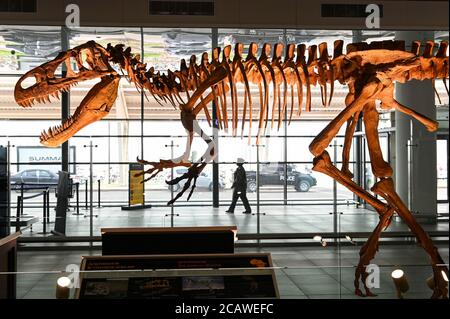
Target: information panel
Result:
[[172, 276], [136, 185]]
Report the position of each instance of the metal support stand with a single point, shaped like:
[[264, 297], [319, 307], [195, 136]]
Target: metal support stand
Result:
[[98, 193], [77, 190], [410, 146], [336, 216], [258, 212], [215, 133], [18, 212], [45, 211], [335, 212], [172, 210], [91, 191], [21, 196], [86, 195]]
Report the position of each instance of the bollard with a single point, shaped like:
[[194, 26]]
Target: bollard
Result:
[[77, 190], [21, 196], [19, 207]]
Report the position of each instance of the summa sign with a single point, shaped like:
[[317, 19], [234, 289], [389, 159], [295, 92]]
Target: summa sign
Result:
[[33, 157], [44, 158]]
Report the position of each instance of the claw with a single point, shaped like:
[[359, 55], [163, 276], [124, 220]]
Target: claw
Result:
[[157, 167], [192, 174]]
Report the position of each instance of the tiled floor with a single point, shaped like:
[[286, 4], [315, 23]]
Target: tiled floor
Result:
[[306, 272], [274, 219], [313, 272]]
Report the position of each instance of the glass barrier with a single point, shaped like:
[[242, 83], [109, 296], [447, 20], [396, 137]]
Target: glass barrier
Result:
[[52, 279]]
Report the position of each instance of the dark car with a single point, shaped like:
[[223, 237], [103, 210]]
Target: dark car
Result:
[[34, 178], [273, 174]]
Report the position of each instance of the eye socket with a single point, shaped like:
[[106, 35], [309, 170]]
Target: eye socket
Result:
[[28, 82]]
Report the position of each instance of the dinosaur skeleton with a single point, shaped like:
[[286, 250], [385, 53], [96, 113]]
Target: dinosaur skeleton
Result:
[[369, 71]]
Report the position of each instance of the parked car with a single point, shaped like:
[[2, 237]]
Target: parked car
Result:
[[203, 181], [270, 174], [31, 177]]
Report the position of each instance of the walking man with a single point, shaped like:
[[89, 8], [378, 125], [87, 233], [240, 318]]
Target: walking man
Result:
[[240, 188]]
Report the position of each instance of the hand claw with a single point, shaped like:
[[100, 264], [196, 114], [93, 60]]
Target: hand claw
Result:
[[192, 189], [192, 174], [155, 170], [152, 176]]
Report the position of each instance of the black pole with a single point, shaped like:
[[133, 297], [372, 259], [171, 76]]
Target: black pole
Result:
[[48, 206], [86, 196], [98, 193], [44, 212], [21, 196], [19, 204], [91, 194], [335, 216], [215, 164], [285, 124], [77, 188], [65, 102], [258, 225]]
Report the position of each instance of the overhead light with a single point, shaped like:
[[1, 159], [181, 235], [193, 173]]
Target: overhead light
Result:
[[400, 281], [63, 288]]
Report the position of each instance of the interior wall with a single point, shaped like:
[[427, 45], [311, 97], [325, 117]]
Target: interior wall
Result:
[[421, 15]]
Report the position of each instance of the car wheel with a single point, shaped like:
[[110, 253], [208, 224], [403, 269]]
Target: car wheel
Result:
[[210, 187], [175, 187], [251, 186], [303, 186]]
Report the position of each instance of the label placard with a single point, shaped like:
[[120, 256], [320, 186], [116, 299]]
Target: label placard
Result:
[[136, 185]]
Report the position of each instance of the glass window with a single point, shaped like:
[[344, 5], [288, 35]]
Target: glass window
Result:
[[44, 174], [29, 174]]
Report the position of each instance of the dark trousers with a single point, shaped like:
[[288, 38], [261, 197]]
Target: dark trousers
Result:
[[243, 196]]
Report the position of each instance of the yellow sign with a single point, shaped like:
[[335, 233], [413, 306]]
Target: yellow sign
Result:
[[136, 185]]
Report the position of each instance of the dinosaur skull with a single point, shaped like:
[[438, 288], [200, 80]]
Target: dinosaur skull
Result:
[[91, 60]]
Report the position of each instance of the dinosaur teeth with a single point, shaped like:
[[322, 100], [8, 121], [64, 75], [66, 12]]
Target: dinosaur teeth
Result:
[[44, 135]]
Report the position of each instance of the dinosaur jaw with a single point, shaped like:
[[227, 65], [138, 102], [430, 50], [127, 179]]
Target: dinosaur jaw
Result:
[[95, 105]]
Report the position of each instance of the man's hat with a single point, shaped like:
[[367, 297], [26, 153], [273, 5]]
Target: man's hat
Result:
[[240, 160]]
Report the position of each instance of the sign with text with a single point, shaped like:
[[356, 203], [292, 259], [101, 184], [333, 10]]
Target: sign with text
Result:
[[135, 185], [32, 157], [177, 276]]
